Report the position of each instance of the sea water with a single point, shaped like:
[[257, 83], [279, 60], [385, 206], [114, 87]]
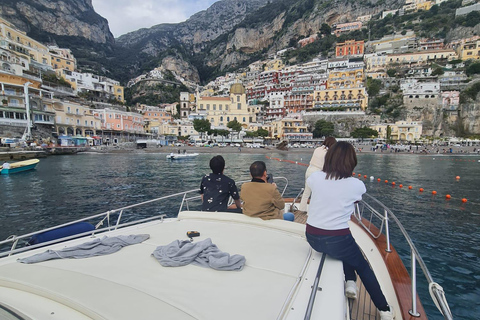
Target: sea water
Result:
[[64, 188]]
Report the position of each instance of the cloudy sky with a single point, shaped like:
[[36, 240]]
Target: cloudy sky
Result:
[[128, 15]]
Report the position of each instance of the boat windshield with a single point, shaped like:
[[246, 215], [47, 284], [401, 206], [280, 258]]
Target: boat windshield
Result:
[[7, 314]]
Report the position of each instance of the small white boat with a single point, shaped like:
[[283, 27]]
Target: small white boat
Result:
[[283, 278], [178, 156]]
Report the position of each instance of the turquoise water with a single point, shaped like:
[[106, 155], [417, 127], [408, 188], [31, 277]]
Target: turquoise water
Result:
[[446, 234]]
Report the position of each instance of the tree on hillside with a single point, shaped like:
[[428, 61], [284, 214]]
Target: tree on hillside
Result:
[[323, 128], [373, 86], [472, 69], [325, 29], [201, 126], [364, 132]]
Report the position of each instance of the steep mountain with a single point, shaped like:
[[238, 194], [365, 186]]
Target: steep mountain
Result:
[[232, 33], [72, 24]]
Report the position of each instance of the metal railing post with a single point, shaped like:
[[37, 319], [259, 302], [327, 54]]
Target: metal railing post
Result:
[[387, 232], [414, 311]]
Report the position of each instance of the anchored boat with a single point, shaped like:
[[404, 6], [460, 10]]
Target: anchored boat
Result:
[[19, 166], [282, 278], [179, 156]]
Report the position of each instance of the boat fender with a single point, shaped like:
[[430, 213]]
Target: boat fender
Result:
[[62, 232]]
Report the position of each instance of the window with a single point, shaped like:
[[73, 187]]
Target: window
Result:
[[243, 119], [208, 106], [118, 126], [238, 98], [214, 107], [239, 106], [78, 121], [219, 107]]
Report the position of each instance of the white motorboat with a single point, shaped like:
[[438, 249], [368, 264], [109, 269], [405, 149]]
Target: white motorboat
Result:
[[178, 156], [283, 278]]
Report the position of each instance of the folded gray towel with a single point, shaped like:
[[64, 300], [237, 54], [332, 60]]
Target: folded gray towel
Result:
[[202, 253], [97, 247]]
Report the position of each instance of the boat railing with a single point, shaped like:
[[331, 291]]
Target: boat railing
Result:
[[107, 221], [371, 210]]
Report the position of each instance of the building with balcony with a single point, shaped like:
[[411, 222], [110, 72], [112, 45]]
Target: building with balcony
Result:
[[350, 99], [120, 121], [291, 128], [469, 49], [376, 62], [62, 59], [347, 27], [350, 48], [72, 118], [346, 78]]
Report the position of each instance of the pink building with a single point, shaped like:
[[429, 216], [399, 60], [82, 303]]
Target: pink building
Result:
[[120, 121]]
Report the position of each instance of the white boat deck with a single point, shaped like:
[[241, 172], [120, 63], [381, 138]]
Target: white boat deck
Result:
[[130, 284]]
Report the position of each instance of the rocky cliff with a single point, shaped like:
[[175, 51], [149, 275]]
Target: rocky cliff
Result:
[[58, 20]]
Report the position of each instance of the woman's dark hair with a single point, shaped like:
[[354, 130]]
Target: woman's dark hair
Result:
[[329, 141], [257, 169], [217, 164], [340, 161]]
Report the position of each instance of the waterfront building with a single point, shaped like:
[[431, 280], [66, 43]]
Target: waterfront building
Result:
[[153, 117], [349, 48], [275, 109], [400, 131], [221, 110], [18, 96], [291, 128], [72, 118], [120, 121], [348, 99]]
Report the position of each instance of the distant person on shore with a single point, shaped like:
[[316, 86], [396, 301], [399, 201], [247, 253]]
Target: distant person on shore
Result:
[[216, 189], [316, 164], [334, 193], [262, 199]]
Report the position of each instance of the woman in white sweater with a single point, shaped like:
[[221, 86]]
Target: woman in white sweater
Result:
[[316, 164], [334, 193]]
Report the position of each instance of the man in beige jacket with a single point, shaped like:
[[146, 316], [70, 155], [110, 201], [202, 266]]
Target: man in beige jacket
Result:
[[262, 199]]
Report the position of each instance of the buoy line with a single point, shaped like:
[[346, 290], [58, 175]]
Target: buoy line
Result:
[[372, 178]]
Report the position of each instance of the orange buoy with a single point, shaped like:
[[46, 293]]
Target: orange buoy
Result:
[[410, 187], [457, 177], [359, 175], [353, 173], [386, 181], [421, 190], [448, 196], [378, 179], [365, 176], [401, 186], [393, 183], [464, 200], [434, 192]]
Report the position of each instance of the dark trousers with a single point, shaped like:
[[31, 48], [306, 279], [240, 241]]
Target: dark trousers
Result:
[[345, 248]]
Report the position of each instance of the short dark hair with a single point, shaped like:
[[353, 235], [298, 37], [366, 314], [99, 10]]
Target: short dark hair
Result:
[[340, 161], [257, 169], [217, 164], [329, 141]]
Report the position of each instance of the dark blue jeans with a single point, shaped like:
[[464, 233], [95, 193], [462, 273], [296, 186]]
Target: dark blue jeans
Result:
[[345, 248]]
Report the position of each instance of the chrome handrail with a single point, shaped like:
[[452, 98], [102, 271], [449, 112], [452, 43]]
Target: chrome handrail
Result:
[[387, 215], [105, 217]]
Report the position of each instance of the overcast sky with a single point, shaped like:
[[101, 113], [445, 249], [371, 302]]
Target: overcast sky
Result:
[[129, 15]]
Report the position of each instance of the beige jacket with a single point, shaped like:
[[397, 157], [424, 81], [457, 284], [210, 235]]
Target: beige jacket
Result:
[[318, 157], [261, 200]]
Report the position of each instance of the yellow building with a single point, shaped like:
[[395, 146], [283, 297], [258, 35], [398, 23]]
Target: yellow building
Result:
[[62, 59], [290, 128], [276, 64], [15, 40], [345, 78], [469, 49], [221, 110], [75, 119], [348, 99], [410, 131]]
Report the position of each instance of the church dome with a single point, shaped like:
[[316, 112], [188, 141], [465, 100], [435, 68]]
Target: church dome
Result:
[[237, 88]]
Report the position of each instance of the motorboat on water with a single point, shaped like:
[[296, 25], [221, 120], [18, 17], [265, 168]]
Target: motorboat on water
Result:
[[282, 277], [178, 156], [19, 166]]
